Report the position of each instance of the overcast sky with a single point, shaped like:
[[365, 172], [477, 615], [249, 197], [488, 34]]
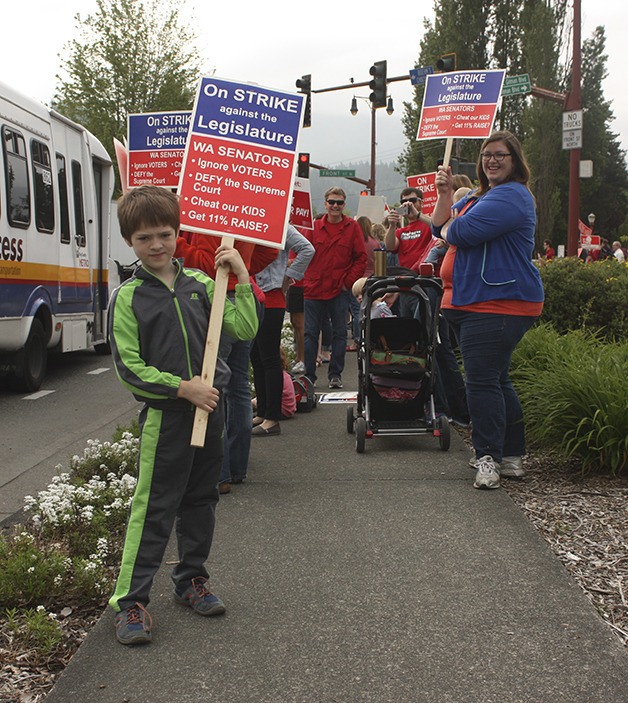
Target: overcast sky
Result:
[[276, 42]]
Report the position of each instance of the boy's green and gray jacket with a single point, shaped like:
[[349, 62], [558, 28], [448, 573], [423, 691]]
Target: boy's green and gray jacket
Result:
[[157, 335]]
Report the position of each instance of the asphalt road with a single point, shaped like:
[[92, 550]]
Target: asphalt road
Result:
[[80, 399]]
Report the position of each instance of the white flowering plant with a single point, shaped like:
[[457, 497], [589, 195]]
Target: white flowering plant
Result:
[[31, 571], [71, 541], [101, 459], [33, 629]]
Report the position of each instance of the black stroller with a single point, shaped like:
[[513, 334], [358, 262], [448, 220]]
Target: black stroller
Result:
[[396, 363]]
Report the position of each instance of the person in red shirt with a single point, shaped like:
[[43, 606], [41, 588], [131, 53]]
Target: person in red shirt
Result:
[[411, 243], [339, 260], [548, 250]]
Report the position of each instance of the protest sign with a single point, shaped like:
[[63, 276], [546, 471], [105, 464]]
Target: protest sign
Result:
[[301, 208], [373, 207], [240, 160], [588, 240], [122, 157], [156, 146], [460, 104], [425, 182]]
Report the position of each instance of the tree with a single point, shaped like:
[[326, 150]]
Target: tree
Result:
[[529, 36], [131, 57], [606, 193], [542, 120], [507, 53], [460, 28]]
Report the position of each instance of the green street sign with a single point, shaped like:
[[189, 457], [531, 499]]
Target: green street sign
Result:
[[516, 85], [337, 173]]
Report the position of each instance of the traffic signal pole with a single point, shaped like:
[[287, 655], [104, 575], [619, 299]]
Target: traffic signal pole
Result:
[[370, 184], [349, 86]]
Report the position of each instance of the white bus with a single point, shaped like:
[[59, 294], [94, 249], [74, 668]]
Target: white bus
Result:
[[56, 185]]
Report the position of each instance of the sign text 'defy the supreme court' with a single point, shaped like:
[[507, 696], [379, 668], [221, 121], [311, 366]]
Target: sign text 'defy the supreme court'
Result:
[[460, 104], [156, 146], [240, 160]]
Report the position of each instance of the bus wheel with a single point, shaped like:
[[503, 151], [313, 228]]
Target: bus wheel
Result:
[[32, 360]]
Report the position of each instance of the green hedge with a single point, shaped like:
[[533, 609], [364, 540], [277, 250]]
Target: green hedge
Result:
[[591, 296], [574, 391]]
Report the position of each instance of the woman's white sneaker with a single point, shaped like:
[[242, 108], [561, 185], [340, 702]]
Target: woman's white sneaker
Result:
[[512, 467], [487, 474]]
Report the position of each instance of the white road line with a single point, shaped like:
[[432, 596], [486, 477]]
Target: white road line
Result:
[[97, 372], [37, 396]]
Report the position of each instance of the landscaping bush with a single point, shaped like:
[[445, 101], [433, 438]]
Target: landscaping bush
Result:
[[574, 391], [591, 296], [71, 542]]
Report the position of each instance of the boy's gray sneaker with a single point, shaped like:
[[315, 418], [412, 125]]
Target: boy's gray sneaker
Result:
[[512, 467], [133, 625], [198, 597], [487, 474]]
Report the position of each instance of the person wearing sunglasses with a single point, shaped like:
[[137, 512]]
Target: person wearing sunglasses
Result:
[[412, 242], [492, 294], [339, 260]]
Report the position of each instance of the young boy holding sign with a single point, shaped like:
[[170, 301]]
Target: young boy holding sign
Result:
[[158, 324]]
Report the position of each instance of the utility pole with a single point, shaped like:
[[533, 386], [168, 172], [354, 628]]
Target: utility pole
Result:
[[574, 102]]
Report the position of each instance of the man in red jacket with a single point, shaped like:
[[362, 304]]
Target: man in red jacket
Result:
[[198, 251], [339, 260]]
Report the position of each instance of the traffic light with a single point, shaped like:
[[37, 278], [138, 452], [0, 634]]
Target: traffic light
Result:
[[304, 84], [447, 62], [378, 84], [303, 165]]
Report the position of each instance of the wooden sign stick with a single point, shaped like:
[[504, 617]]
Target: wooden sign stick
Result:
[[449, 143], [211, 345]]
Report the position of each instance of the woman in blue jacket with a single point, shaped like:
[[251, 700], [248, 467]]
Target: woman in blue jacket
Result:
[[492, 295]]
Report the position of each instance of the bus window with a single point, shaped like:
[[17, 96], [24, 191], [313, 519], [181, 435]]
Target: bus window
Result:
[[43, 188], [79, 211], [16, 178], [62, 176]]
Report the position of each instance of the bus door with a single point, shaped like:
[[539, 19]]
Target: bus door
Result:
[[74, 262]]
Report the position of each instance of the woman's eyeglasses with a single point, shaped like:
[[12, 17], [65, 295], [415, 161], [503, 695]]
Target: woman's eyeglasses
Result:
[[499, 156], [336, 202]]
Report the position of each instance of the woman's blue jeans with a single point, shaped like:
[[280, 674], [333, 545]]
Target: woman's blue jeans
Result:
[[487, 342]]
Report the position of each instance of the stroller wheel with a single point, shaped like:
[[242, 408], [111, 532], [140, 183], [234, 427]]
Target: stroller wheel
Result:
[[360, 434], [350, 419], [444, 437]]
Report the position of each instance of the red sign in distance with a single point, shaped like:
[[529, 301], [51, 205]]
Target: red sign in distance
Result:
[[301, 208], [426, 183]]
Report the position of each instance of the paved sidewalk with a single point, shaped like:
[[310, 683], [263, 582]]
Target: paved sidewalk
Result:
[[382, 577]]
